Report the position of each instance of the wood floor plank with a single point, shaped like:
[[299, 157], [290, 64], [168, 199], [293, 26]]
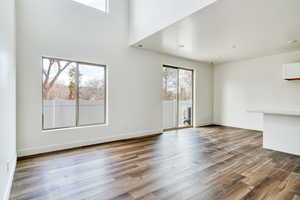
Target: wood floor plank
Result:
[[208, 163]]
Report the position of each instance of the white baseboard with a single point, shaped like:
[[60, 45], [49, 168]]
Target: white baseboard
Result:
[[234, 126], [283, 151], [12, 167], [51, 148], [203, 124]]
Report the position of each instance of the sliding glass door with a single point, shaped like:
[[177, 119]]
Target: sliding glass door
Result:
[[177, 97]]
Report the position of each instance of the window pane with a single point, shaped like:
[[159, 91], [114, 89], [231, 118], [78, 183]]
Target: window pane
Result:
[[98, 4], [91, 95], [59, 94], [169, 97], [185, 98]]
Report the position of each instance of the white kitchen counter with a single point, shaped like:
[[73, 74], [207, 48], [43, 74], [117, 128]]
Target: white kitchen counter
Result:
[[281, 130], [277, 112]]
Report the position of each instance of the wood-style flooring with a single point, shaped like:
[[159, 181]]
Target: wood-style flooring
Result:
[[209, 163]]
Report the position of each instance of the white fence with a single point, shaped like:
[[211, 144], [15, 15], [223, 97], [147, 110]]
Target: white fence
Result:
[[170, 113], [62, 113]]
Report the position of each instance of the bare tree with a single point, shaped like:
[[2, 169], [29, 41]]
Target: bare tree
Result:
[[72, 84], [48, 84], [92, 90]]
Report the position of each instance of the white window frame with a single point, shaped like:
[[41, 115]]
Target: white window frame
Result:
[[77, 124]]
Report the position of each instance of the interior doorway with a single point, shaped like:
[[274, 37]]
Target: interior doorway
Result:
[[178, 94]]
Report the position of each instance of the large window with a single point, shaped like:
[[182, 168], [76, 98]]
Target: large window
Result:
[[98, 4], [74, 94]]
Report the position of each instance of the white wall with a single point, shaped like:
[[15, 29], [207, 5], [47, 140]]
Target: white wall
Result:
[[149, 16], [253, 84], [7, 91], [66, 29]]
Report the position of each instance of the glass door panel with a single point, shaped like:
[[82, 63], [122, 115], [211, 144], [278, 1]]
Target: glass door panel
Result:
[[185, 98], [170, 105]]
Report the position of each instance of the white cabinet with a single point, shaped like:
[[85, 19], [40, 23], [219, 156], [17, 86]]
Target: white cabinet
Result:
[[291, 71]]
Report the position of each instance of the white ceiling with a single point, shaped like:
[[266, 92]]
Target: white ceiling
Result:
[[232, 30]]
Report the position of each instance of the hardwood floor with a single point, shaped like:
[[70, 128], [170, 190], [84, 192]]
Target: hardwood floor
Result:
[[203, 163]]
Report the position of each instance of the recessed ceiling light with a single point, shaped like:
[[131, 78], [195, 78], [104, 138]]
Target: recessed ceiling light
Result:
[[292, 41], [181, 46]]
